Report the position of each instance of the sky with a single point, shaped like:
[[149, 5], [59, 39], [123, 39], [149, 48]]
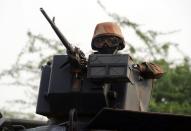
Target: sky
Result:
[[77, 20]]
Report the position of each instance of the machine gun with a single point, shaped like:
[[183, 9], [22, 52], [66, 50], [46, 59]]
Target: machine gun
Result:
[[77, 57]]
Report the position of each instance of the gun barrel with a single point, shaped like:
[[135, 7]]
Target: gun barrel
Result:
[[57, 31]]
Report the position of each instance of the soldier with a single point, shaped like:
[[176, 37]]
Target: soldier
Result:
[[108, 39]]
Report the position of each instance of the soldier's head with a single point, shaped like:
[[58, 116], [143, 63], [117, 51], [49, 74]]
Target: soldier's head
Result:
[[107, 38]]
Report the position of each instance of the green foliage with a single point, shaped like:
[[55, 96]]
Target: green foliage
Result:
[[171, 107], [172, 92], [37, 52], [25, 72]]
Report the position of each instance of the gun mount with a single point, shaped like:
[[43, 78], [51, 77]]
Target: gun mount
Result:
[[76, 55]]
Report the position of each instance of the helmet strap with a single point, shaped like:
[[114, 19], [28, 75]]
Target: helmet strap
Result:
[[115, 52]]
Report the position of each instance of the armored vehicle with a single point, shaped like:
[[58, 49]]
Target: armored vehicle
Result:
[[104, 92]]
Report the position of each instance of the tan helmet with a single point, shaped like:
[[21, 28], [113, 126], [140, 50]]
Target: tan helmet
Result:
[[108, 29]]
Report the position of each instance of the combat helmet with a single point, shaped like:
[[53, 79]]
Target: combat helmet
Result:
[[107, 29]]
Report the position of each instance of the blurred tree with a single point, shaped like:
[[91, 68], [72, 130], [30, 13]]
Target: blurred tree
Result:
[[152, 47], [37, 51], [172, 92], [26, 70]]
